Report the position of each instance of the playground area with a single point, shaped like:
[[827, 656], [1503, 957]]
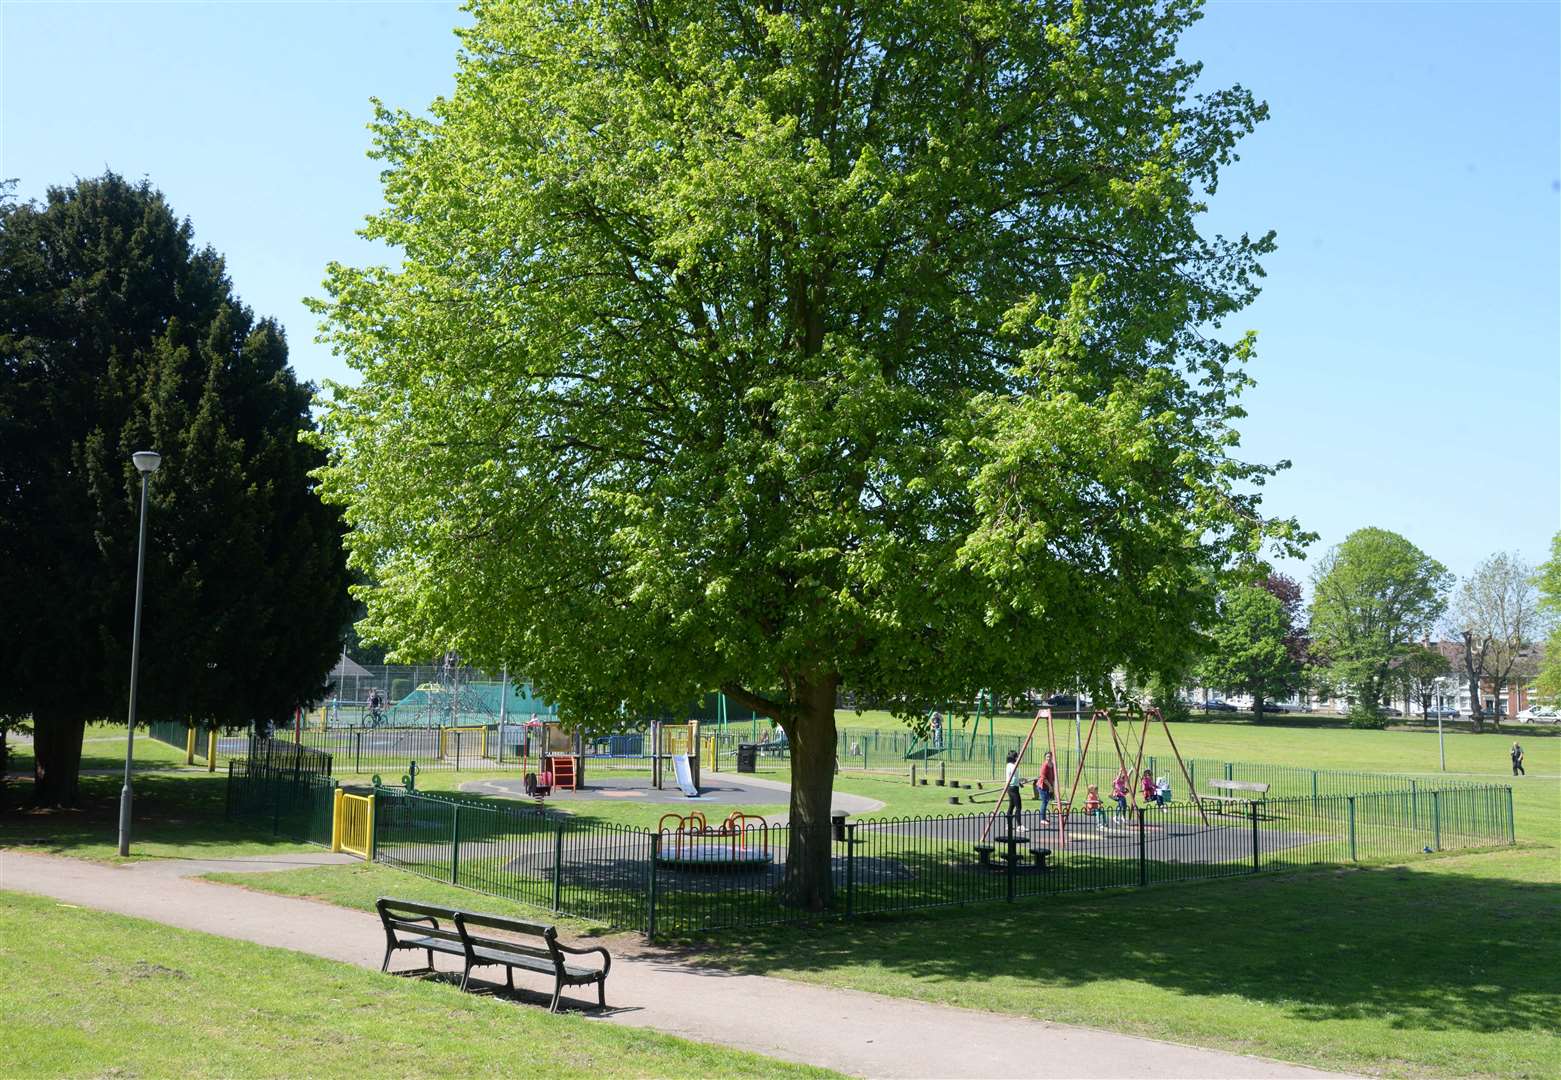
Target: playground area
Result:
[[727, 788]]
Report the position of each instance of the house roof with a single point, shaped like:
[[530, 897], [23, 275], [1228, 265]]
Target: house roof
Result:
[[348, 666]]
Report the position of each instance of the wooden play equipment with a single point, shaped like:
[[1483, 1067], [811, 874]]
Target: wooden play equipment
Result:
[[549, 758], [668, 741]]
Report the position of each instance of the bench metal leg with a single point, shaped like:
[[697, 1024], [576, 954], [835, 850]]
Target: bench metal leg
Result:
[[509, 978], [386, 965], [558, 992], [430, 959], [466, 976], [601, 993]]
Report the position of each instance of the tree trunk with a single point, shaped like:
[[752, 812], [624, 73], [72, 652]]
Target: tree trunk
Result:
[[808, 882], [1475, 715], [56, 758], [1257, 705]]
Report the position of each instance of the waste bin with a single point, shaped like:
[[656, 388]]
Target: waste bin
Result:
[[839, 822], [747, 757]]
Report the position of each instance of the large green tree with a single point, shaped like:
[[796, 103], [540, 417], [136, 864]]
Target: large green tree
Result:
[[1372, 596], [118, 334], [1251, 643], [784, 346]]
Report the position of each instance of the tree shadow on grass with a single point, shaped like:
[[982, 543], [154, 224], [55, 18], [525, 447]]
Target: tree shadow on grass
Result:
[[185, 810], [1419, 951]]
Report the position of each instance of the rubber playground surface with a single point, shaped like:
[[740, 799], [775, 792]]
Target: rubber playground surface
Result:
[[726, 789], [897, 852], [1223, 839]]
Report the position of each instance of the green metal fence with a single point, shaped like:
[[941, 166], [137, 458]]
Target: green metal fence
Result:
[[280, 798], [667, 883]]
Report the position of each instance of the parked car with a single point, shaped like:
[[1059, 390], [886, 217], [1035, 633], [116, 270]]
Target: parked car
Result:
[[1274, 706], [1441, 714], [1388, 710], [1216, 705], [1538, 714], [1064, 701]]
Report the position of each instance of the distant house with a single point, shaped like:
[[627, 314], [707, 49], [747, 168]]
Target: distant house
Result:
[[1453, 690]]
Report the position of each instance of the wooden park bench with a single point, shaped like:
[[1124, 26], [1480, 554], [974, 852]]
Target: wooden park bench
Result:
[[414, 926], [1237, 794]]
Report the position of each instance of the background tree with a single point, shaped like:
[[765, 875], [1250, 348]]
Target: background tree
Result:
[[1422, 669], [784, 347], [1495, 614], [1548, 582], [118, 334], [1298, 639], [1373, 595], [1250, 642]]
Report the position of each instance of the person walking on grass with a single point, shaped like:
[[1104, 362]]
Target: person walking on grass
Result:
[[1517, 760], [1011, 781], [1046, 786]]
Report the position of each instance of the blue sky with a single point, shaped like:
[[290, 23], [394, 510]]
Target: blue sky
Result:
[[1410, 329]]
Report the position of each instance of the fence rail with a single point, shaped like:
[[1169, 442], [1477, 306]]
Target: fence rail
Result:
[[670, 883], [285, 802], [661, 883]]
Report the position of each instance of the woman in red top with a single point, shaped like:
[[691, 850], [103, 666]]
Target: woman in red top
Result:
[[1046, 786]]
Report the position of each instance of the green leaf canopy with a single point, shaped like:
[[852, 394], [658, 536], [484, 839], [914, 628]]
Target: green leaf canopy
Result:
[[785, 346]]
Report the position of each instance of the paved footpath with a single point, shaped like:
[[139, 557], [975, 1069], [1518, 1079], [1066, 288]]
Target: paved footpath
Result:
[[853, 1032]]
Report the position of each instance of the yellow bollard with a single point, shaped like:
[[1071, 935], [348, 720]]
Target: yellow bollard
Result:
[[211, 750], [372, 801], [336, 805]]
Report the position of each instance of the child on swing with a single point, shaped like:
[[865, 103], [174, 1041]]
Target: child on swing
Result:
[[1119, 788], [1093, 807], [1147, 787]]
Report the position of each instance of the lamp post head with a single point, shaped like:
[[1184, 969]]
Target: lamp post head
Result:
[[147, 460]]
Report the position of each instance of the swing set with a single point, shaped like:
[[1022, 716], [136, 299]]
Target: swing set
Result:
[[1122, 744]]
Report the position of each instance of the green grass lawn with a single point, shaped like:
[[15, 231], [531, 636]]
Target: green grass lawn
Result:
[[1442, 966], [103, 747], [91, 994], [358, 885], [174, 815]]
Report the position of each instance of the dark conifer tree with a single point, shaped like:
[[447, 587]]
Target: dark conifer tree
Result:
[[118, 333]]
